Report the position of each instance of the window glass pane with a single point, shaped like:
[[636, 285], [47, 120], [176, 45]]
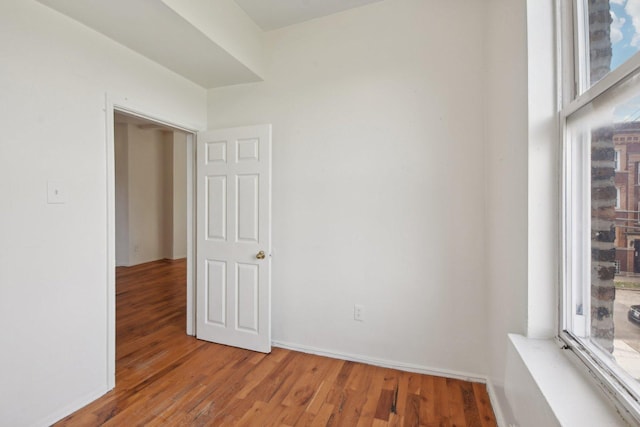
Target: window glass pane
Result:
[[613, 34], [603, 244]]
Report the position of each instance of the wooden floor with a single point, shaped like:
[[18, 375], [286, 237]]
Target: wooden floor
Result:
[[166, 378]]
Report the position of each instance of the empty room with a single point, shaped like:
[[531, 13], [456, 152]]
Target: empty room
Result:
[[388, 212]]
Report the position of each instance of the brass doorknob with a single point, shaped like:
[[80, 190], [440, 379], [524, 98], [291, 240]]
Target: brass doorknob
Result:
[[260, 255]]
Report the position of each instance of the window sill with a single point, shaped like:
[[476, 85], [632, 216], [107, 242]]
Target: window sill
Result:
[[540, 375]]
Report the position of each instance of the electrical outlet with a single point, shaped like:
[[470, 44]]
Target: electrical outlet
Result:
[[358, 313]]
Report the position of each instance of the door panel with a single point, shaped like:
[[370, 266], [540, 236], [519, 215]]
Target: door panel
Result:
[[216, 205], [248, 297], [234, 227], [216, 292], [248, 212]]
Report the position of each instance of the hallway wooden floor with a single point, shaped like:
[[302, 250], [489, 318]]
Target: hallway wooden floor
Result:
[[166, 378]]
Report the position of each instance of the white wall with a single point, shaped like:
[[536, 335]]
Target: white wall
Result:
[[506, 181], [151, 194], [121, 156], [543, 172], [167, 194], [179, 201], [174, 211], [149, 236], [378, 176], [53, 258], [522, 209]]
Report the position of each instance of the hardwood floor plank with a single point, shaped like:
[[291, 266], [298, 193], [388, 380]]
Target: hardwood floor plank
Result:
[[395, 420], [385, 402], [412, 412], [322, 393], [256, 412], [415, 382], [318, 398], [487, 417], [166, 378], [456, 403], [403, 391], [354, 395], [470, 408], [324, 415], [378, 423], [256, 376], [367, 415], [274, 382], [429, 408], [303, 389], [391, 378], [442, 406]]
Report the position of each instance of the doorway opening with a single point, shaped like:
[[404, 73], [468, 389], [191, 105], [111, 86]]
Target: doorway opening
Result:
[[150, 161], [151, 220]]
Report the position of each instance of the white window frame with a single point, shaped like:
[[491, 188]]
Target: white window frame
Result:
[[617, 160], [575, 93], [617, 197]]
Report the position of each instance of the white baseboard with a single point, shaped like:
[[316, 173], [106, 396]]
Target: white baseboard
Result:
[[72, 407], [383, 363], [495, 404]]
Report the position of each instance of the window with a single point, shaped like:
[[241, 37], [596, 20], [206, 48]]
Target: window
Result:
[[601, 104], [606, 49]]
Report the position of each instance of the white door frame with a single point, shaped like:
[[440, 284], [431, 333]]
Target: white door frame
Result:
[[113, 105]]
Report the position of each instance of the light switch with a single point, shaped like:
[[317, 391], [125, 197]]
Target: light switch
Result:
[[55, 193]]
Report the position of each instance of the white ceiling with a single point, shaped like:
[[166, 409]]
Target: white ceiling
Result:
[[155, 30], [273, 14]]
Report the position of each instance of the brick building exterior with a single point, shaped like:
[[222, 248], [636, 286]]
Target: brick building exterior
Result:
[[626, 139], [603, 189]]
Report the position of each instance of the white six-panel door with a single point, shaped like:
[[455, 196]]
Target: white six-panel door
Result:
[[233, 244]]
